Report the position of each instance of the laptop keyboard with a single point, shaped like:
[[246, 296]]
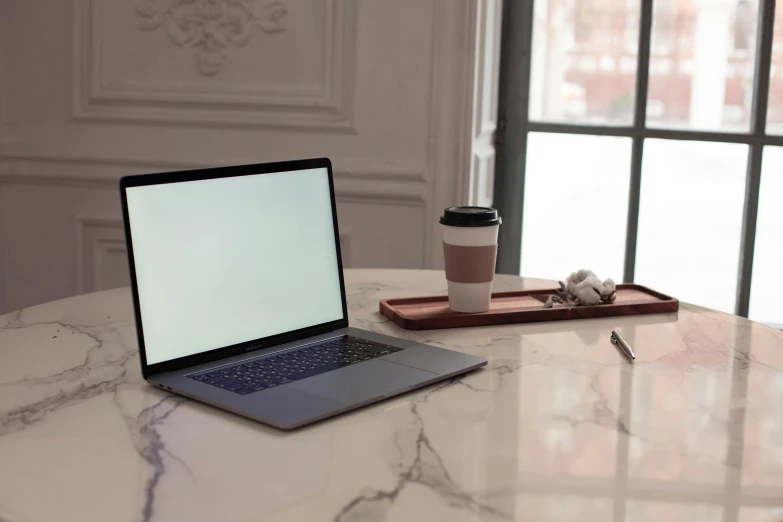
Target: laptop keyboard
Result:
[[267, 372]]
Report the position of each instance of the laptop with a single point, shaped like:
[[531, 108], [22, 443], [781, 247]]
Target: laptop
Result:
[[239, 296]]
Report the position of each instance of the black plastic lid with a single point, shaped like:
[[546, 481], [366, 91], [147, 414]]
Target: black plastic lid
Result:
[[470, 217]]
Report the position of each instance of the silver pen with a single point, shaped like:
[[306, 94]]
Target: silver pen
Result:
[[618, 339]]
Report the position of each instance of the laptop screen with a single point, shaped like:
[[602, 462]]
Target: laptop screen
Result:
[[225, 261]]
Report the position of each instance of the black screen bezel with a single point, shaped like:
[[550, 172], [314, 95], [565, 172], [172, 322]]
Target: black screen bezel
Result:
[[248, 346]]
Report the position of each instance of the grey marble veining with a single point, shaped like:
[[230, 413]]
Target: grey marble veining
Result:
[[558, 426]]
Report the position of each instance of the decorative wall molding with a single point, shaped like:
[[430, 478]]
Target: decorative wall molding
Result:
[[327, 105], [463, 105], [487, 68], [118, 96], [101, 254], [450, 108], [210, 27], [485, 82], [356, 180], [482, 179]]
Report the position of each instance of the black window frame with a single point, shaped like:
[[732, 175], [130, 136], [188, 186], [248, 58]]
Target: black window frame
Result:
[[514, 126]]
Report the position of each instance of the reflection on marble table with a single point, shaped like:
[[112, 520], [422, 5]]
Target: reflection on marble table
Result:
[[558, 426]]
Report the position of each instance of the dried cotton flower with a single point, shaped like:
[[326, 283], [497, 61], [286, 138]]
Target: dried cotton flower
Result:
[[577, 277], [583, 288], [609, 293], [588, 292]]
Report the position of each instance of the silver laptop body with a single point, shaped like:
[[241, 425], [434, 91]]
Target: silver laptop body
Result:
[[239, 296]]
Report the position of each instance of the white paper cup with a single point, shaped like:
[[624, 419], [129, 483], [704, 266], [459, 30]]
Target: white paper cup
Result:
[[470, 237]]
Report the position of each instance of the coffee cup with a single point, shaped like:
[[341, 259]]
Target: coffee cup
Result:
[[470, 246]]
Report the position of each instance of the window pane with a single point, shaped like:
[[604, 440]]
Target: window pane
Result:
[[690, 220], [767, 289], [775, 108], [576, 205], [584, 61], [702, 60]]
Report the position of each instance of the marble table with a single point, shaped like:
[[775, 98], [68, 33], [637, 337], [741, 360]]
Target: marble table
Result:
[[558, 426]]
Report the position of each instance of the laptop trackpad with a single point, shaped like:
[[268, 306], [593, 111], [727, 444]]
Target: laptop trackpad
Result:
[[364, 381]]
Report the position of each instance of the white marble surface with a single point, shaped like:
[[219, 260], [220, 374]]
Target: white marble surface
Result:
[[559, 426]]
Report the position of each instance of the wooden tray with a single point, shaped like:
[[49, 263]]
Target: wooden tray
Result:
[[521, 306]]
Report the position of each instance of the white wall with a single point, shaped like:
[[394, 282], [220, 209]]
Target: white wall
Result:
[[399, 93]]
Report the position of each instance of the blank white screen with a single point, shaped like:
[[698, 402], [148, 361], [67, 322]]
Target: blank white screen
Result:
[[224, 261]]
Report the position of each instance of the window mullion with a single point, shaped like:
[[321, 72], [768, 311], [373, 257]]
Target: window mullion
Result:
[[766, 22], [639, 120], [511, 137]]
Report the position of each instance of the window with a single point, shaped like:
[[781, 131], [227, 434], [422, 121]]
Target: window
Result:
[[644, 139]]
